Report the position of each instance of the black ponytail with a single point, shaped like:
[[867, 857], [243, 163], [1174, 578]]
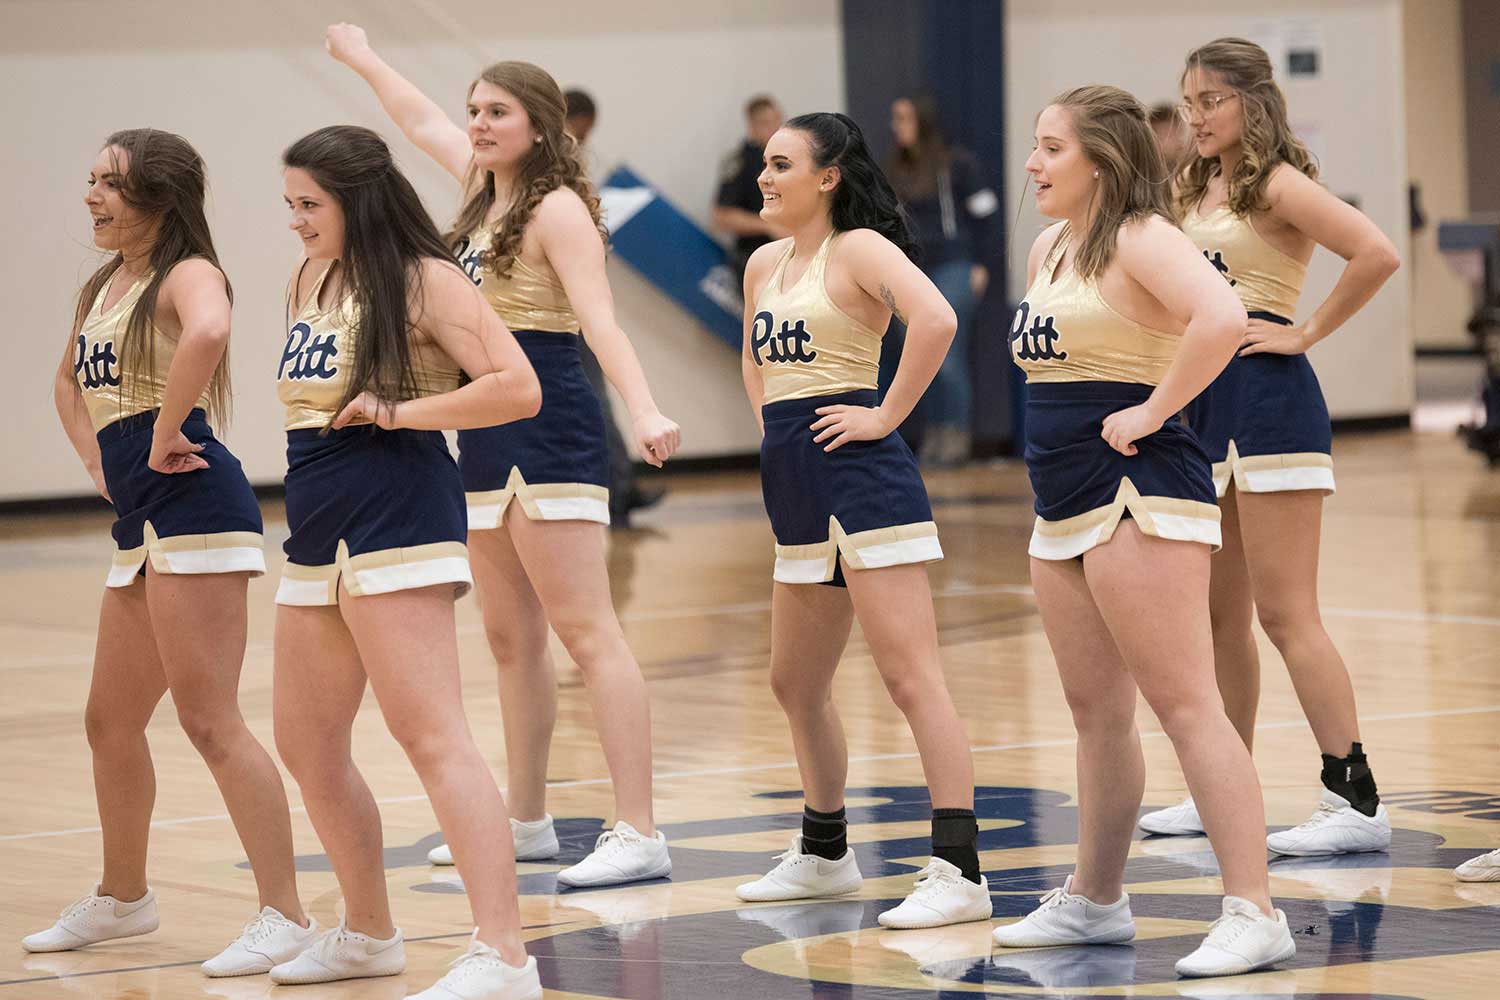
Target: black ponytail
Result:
[[864, 198]]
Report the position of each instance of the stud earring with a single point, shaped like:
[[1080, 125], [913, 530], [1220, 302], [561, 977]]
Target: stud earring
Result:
[[1096, 175]]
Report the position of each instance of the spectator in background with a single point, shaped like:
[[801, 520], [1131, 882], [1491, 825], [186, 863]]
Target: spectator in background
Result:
[[737, 206], [625, 493], [950, 206], [1171, 135]]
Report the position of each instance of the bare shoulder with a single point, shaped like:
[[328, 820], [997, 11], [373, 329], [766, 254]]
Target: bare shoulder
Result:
[[442, 276], [1147, 230], [1041, 247], [195, 273], [758, 268], [561, 203]]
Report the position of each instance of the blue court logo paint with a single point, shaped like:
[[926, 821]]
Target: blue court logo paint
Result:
[[1039, 342], [98, 368], [308, 356], [1216, 258], [641, 953], [787, 346]]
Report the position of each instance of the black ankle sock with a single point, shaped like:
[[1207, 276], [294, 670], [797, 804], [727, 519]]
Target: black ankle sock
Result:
[[825, 834], [1350, 777], [955, 839]]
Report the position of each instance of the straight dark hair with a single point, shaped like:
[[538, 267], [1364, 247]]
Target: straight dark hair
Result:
[[164, 178], [864, 198], [387, 235]]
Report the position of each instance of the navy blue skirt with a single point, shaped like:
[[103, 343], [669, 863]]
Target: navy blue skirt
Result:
[[380, 510], [1264, 423], [1084, 487], [206, 521], [555, 463], [864, 500]]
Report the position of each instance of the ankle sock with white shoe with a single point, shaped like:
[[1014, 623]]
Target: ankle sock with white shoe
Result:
[[481, 974], [265, 943], [536, 840], [942, 896], [96, 918], [804, 876], [1242, 940], [1064, 918], [343, 954], [620, 855]]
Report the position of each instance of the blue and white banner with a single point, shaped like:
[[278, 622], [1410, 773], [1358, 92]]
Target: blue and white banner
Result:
[[670, 251]]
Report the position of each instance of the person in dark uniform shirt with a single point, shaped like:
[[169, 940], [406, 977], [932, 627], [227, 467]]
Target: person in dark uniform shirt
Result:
[[738, 203]]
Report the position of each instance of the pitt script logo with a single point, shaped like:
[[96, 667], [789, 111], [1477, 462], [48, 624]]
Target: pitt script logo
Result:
[[96, 369], [469, 261], [787, 346], [1038, 342], [308, 356], [1217, 260]]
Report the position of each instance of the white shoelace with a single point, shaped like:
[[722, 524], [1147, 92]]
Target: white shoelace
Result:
[[931, 881], [791, 854], [1053, 899], [263, 926], [1227, 929], [474, 961], [1325, 813], [329, 944], [612, 842], [78, 906]]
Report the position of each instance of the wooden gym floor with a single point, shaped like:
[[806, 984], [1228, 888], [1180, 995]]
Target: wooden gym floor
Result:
[[1411, 595]]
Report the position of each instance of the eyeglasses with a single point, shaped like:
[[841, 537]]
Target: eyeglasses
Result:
[[1206, 105]]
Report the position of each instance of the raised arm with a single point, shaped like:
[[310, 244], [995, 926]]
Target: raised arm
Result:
[[195, 293], [1313, 211], [417, 116], [74, 415], [575, 251], [453, 315], [1163, 261]]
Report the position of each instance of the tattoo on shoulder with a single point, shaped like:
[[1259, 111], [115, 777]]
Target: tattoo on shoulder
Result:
[[889, 299]]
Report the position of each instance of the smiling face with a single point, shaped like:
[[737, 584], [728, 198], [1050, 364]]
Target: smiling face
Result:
[[500, 130], [1214, 112], [317, 216], [118, 225], [795, 189], [1064, 177]]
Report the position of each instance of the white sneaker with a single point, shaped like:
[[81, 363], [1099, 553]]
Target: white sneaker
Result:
[[1336, 828], [1180, 820], [942, 897], [480, 974], [1485, 868], [535, 841], [96, 918], [620, 855], [1242, 940], [343, 954], [266, 941], [1063, 918], [803, 876]]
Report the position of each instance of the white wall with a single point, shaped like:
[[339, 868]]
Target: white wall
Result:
[[241, 81], [1436, 140], [1352, 115]]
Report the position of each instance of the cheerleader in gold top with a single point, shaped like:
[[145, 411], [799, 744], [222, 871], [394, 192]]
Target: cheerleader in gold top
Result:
[[847, 503], [1250, 201], [382, 323], [146, 364], [1123, 323], [529, 236]]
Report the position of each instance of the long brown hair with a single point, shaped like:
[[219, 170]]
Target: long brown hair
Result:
[[914, 170], [1113, 129], [164, 178], [1266, 138], [552, 163], [387, 235]]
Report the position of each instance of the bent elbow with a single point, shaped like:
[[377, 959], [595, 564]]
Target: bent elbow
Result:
[[1388, 259], [529, 397]]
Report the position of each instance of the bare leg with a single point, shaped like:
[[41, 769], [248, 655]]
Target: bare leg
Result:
[[1232, 611], [809, 629]]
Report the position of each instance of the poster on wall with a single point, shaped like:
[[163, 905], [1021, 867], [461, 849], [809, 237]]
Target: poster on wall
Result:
[[1295, 45]]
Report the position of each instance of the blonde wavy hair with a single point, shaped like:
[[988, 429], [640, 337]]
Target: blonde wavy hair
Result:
[[1265, 137], [552, 163], [1115, 132]]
